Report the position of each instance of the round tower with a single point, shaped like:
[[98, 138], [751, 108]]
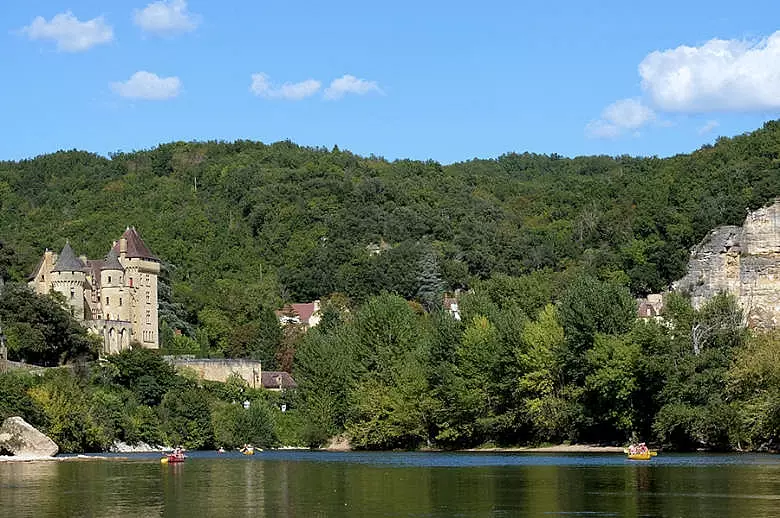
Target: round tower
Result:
[[68, 279], [141, 271], [114, 295]]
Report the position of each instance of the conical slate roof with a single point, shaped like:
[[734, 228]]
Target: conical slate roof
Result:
[[136, 248], [68, 262], [111, 262]]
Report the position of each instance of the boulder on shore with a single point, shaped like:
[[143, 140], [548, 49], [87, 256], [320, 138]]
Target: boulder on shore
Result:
[[338, 443], [20, 438]]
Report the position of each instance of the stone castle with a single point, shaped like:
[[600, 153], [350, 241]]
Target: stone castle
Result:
[[742, 261], [114, 297]]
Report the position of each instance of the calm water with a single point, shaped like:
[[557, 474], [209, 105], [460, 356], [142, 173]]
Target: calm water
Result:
[[311, 484]]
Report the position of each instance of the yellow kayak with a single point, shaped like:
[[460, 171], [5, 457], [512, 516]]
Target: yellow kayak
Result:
[[642, 456]]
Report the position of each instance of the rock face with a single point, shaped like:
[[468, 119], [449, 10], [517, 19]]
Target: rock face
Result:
[[19, 438], [743, 261]]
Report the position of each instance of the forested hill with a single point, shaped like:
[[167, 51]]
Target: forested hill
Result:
[[272, 223]]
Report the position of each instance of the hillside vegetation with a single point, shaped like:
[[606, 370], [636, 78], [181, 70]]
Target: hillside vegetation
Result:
[[552, 250]]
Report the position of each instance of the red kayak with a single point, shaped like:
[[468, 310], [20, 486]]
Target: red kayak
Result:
[[176, 457], [173, 458]]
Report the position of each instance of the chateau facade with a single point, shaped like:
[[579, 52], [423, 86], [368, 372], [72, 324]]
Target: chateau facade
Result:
[[114, 297]]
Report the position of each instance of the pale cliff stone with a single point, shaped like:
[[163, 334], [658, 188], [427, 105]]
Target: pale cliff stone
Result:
[[742, 261], [20, 438]]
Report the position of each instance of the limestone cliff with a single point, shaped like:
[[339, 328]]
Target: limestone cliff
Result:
[[743, 261]]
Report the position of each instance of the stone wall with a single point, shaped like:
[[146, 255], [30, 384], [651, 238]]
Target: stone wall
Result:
[[743, 261], [220, 370]]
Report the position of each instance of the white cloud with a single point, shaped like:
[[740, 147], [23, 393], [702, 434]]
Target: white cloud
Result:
[[148, 86], [70, 34], [708, 127], [720, 75], [619, 117], [261, 86], [349, 84], [165, 18], [601, 129]]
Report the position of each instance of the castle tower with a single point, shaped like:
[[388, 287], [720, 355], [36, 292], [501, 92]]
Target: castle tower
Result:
[[114, 294], [141, 269], [68, 278]]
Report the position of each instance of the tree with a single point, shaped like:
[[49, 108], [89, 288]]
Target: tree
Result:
[[40, 331], [430, 286], [7, 262], [145, 373], [590, 306], [754, 381], [186, 418], [550, 406]]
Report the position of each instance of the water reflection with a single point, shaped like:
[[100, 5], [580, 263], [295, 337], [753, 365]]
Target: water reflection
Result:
[[303, 485]]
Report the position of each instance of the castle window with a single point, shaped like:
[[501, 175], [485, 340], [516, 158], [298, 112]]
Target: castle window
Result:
[[148, 317], [109, 279], [148, 297], [120, 301], [131, 282], [72, 293], [107, 302]]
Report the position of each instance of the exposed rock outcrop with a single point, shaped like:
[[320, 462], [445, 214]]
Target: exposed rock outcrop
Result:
[[19, 438], [141, 447], [743, 261]]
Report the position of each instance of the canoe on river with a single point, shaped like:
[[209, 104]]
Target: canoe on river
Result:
[[647, 455]]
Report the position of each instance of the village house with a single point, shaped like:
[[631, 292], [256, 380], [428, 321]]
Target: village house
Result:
[[306, 314]]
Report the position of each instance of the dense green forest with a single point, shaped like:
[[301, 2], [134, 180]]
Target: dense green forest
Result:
[[548, 253]]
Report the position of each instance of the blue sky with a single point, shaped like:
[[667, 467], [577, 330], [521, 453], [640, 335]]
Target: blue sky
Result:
[[442, 80]]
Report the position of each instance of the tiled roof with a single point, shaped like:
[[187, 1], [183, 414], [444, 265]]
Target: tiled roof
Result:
[[93, 267], [303, 311], [37, 269], [68, 262], [111, 262], [136, 248], [277, 379]]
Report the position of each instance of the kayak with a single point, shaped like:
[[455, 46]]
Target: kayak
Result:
[[172, 458], [642, 456]]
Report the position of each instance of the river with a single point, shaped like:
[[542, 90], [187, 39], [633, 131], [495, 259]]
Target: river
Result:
[[319, 484]]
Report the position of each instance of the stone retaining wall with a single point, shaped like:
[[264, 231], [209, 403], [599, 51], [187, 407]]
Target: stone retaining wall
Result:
[[220, 370]]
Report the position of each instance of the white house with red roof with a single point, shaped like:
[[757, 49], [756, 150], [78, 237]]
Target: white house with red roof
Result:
[[307, 314]]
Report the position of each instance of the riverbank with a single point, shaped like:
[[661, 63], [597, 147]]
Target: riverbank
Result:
[[557, 448]]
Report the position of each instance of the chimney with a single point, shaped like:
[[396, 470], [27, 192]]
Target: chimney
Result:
[[122, 247]]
